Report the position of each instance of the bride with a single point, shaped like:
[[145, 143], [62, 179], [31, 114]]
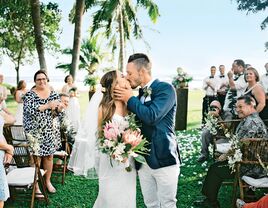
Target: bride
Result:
[[117, 187]]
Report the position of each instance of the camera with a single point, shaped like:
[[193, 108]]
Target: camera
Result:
[[213, 108]]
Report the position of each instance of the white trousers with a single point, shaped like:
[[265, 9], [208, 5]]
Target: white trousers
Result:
[[159, 186]]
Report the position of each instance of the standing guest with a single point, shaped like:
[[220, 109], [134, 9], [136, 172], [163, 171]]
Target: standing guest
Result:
[[264, 83], [73, 109], [40, 120], [6, 152], [251, 126], [223, 85], [210, 85], [19, 94], [155, 108], [254, 89], [237, 86], [3, 92]]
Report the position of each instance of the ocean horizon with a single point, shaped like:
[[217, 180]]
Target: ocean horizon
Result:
[[57, 82]]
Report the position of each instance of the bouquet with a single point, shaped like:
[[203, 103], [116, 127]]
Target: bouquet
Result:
[[211, 123], [73, 89], [33, 139], [123, 140], [182, 79]]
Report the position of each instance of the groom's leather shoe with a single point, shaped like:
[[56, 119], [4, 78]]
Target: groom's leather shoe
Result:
[[204, 203]]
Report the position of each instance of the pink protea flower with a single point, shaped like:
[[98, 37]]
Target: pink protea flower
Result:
[[132, 137], [111, 131]]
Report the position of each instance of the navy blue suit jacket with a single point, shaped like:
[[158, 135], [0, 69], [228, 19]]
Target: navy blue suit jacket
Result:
[[158, 120]]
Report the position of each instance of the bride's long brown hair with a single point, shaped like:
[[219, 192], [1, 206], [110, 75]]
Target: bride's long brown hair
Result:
[[108, 82]]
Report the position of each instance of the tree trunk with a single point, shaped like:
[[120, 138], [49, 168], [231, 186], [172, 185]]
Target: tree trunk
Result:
[[17, 68], [79, 10], [121, 39], [35, 10]]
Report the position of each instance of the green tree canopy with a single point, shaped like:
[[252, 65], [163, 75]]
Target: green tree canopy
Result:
[[17, 36]]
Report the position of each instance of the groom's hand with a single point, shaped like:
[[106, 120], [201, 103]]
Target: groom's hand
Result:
[[122, 94]]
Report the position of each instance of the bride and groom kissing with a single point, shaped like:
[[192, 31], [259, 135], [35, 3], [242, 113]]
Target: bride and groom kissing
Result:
[[156, 112]]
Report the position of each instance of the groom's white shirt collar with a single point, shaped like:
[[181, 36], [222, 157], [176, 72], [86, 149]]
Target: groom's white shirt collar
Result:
[[149, 83]]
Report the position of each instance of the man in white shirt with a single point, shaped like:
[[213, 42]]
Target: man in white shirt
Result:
[[210, 85], [237, 86], [223, 83]]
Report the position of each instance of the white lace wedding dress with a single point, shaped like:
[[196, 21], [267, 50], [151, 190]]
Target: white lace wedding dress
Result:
[[117, 187]]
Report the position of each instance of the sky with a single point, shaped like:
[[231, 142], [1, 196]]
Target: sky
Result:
[[191, 34]]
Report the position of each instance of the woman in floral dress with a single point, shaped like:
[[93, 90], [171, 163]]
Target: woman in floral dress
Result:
[[41, 119]]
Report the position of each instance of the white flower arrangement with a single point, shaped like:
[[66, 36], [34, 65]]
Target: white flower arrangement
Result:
[[234, 154], [211, 123], [182, 77], [34, 142]]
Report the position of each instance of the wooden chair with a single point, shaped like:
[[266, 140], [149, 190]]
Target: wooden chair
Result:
[[14, 134], [62, 156], [23, 180], [254, 150]]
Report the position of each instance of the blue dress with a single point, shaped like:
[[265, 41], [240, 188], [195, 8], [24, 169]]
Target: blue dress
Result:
[[4, 191]]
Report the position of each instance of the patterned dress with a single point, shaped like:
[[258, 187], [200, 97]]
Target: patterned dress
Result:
[[4, 191], [44, 126]]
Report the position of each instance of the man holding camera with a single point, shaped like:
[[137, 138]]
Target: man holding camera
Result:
[[206, 136]]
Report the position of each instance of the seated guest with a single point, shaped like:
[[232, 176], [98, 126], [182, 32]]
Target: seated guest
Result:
[[262, 203], [66, 124], [207, 137], [251, 126], [6, 152], [254, 89]]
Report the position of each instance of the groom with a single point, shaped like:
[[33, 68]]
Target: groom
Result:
[[155, 107]]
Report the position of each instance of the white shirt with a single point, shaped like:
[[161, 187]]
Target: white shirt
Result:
[[213, 82], [264, 82], [223, 81], [240, 86]]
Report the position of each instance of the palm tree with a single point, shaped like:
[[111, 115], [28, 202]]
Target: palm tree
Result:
[[79, 11], [91, 55], [121, 16], [35, 11]]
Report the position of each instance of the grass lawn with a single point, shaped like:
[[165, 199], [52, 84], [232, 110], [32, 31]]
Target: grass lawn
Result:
[[81, 192]]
